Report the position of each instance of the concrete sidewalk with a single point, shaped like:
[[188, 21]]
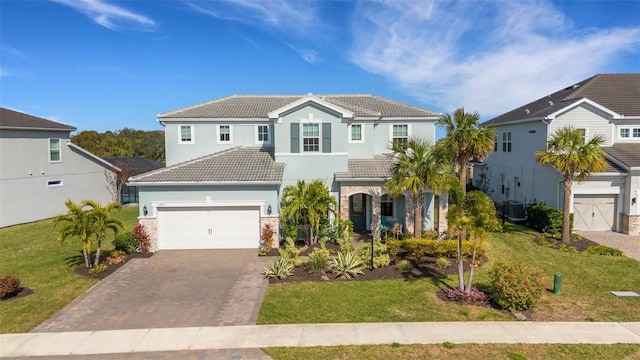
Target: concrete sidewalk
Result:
[[295, 335]]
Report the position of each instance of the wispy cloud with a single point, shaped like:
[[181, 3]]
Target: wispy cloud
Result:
[[109, 15], [486, 56], [309, 55]]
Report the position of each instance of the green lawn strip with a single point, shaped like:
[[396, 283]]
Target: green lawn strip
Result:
[[460, 351], [587, 280], [31, 253]]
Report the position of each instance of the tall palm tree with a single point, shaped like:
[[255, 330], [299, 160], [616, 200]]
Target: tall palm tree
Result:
[[307, 204], [102, 222], [465, 140], [569, 153], [76, 223], [417, 167]]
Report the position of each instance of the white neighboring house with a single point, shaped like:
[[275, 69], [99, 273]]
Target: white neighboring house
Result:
[[606, 105], [40, 169]]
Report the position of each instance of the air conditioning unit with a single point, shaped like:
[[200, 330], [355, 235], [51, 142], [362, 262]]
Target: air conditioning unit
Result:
[[516, 211]]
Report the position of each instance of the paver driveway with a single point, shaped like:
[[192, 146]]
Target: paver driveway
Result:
[[173, 288]]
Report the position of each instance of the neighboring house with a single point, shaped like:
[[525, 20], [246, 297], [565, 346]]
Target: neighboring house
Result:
[[130, 166], [40, 169], [606, 105], [229, 160]]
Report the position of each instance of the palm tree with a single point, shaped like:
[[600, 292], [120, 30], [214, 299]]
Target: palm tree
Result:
[[465, 140], [569, 153], [308, 204], [102, 222], [417, 167], [76, 223], [322, 204], [294, 206]]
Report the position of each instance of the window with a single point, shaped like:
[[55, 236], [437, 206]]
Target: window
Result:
[[495, 142], [263, 133], [54, 183], [506, 141], [310, 137], [400, 133], [583, 133], [356, 134], [636, 132], [386, 206], [624, 133], [186, 134], [54, 150], [224, 134]]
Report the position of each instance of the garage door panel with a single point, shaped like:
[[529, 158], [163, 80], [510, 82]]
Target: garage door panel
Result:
[[209, 228], [594, 212]]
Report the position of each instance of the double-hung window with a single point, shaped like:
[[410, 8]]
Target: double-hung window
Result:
[[311, 137], [624, 133], [186, 134], [386, 206], [636, 133], [54, 150], [506, 141], [262, 134], [356, 133], [224, 134], [400, 133]]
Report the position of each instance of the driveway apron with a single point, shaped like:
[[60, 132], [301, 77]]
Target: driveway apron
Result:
[[173, 288]]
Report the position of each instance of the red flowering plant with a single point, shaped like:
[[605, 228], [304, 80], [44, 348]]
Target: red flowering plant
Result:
[[516, 285], [266, 239], [141, 235]]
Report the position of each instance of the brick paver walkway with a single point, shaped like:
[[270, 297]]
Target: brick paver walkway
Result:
[[629, 244]]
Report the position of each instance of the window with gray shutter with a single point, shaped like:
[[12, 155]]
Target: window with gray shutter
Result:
[[295, 138], [326, 138]]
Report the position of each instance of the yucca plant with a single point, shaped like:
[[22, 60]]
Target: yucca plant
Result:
[[443, 262], [279, 268], [404, 266], [346, 265]]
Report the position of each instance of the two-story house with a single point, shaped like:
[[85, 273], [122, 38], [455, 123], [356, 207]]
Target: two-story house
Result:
[[607, 105], [41, 168], [228, 161]]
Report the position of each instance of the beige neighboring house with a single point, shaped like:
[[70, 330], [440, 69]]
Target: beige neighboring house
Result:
[[607, 105], [40, 169]]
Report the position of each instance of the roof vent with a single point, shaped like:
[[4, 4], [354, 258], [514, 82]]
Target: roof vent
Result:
[[575, 86], [527, 111], [550, 103]]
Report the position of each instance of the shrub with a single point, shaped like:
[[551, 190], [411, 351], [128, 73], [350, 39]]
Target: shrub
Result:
[[346, 265], [473, 296], [604, 250], [98, 269], [318, 259], [116, 257], [404, 266], [279, 268], [117, 253], [546, 219], [126, 242], [144, 243], [8, 285], [516, 285], [418, 253], [443, 262], [443, 248], [266, 238], [380, 254], [291, 253]]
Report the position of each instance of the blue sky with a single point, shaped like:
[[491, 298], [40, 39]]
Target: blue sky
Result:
[[104, 65]]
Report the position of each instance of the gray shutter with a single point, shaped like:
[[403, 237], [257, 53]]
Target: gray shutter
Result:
[[295, 138], [326, 138]]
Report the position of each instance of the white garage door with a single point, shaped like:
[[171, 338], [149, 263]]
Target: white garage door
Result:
[[594, 212], [209, 228]]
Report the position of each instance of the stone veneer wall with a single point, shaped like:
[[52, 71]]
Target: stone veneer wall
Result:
[[151, 226], [373, 190], [274, 221], [630, 224]]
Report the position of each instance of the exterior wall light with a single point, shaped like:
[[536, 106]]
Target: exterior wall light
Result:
[[269, 210], [144, 210]]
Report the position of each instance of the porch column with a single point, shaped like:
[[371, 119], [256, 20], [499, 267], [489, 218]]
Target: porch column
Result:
[[375, 211], [344, 204], [408, 214], [443, 207]]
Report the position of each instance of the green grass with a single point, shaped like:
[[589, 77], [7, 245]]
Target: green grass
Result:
[[460, 351], [31, 253], [587, 280]]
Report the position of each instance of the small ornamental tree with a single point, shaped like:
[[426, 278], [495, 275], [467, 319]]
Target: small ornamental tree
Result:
[[140, 233]]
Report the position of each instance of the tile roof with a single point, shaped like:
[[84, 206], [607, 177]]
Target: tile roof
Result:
[[616, 92], [626, 153], [136, 164], [378, 168], [239, 164], [17, 120], [258, 106]]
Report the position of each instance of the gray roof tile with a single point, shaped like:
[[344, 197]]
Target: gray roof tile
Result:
[[13, 119], [238, 164], [378, 168], [628, 154], [258, 106]]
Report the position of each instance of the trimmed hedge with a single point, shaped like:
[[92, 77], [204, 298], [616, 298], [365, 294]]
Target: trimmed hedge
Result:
[[445, 248]]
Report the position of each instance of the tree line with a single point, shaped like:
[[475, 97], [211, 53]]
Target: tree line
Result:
[[126, 142]]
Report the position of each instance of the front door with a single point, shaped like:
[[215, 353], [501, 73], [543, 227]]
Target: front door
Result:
[[358, 211]]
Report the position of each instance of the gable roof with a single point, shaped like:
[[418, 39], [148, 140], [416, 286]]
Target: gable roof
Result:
[[221, 168], [626, 155], [617, 92], [242, 107], [377, 169], [136, 164], [10, 119]]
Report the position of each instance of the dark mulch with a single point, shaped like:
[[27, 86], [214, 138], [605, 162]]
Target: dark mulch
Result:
[[83, 271], [20, 293], [580, 244]]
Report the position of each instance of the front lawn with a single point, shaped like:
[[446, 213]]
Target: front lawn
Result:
[[31, 253], [587, 280]]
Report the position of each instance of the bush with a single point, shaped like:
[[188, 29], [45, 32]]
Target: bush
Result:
[[266, 238], [546, 219], [318, 259], [8, 285], [126, 242], [98, 269], [404, 266], [347, 265], [516, 285], [291, 253], [473, 296], [444, 248], [279, 268], [443, 262], [604, 250], [116, 257], [380, 254], [144, 243]]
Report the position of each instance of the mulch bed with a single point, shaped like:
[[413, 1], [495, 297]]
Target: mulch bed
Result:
[[83, 271], [580, 244], [20, 293]]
